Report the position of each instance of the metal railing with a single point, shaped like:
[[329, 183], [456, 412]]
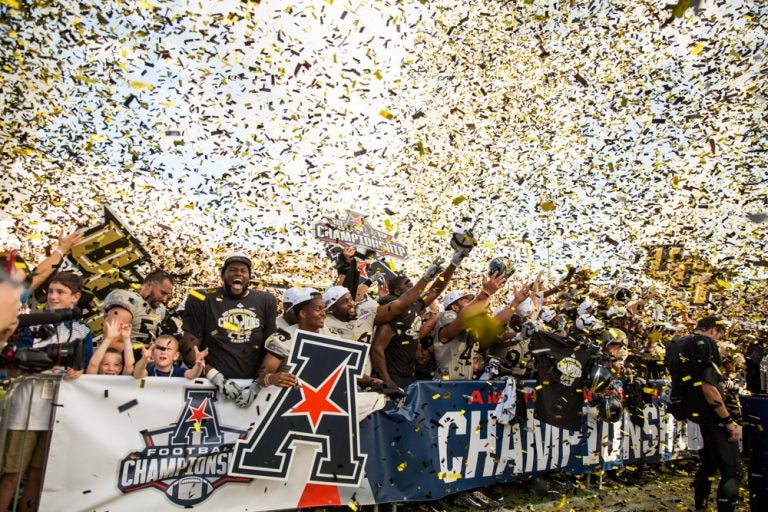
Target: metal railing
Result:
[[23, 394]]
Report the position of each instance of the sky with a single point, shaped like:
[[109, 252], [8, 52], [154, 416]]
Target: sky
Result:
[[565, 132]]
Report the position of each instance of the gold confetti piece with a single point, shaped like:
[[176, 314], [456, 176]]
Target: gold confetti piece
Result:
[[386, 115], [388, 225], [686, 378], [697, 49], [402, 466], [140, 86], [547, 206], [231, 327], [352, 505], [13, 4], [435, 397], [196, 294], [197, 427], [458, 200]]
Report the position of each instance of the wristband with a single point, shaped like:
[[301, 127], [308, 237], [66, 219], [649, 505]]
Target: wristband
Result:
[[59, 251], [265, 380], [727, 420]]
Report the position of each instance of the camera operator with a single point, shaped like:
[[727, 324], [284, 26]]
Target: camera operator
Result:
[[55, 349], [10, 292]]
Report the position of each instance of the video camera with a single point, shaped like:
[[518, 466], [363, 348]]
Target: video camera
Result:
[[36, 360], [68, 354]]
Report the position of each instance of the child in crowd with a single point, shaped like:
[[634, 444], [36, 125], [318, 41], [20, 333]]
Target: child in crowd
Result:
[[110, 361], [158, 360]]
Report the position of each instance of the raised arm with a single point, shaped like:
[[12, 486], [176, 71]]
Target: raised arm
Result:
[[46, 268], [140, 368], [381, 339], [197, 370], [389, 311], [110, 333], [490, 285], [520, 294]]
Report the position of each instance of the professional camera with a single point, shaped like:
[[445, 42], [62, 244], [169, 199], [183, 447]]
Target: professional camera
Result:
[[36, 360]]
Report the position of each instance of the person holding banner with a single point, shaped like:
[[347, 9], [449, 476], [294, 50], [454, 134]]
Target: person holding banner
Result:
[[232, 323], [309, 310]]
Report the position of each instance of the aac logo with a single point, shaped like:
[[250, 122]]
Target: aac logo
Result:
[[320, 412], [187, 460]]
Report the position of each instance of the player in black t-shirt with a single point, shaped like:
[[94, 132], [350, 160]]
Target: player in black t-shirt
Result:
[[232, 322], [694, 363]]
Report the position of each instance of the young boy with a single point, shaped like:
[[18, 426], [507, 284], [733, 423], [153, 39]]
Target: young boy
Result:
[[106, 359], [30, 405], [158, 360]]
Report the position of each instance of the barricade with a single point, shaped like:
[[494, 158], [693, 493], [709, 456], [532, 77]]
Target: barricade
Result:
[[160, 442], [26, 417]]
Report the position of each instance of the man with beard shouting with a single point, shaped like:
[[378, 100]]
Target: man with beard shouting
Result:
[[232, 322]]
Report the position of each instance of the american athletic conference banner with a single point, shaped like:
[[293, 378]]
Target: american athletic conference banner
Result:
[[163, 443], [125, 444]]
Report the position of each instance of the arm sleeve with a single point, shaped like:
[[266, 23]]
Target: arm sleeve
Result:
[[194, 315], [87, 349], [350, 272], [270, 316]]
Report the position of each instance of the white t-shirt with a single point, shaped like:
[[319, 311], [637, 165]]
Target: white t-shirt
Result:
[[358, 329], [454, 358]]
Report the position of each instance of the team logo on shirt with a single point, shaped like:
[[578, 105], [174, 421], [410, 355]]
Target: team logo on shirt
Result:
[[321, 412], [238, 324], [187, 460], [570, 370]]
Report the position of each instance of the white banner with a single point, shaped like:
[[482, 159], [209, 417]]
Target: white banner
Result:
[[124, 444]]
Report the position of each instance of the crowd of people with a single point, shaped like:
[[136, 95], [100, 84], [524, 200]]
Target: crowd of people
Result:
[[236, 333]]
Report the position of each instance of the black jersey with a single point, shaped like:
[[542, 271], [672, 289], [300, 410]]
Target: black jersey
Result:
[[692, 360], [234, 330], [401, 351], [562, 368]]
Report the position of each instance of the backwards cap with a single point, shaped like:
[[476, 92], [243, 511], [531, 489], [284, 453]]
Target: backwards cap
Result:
[[237, 257], [296, 296], [452, 297], [333, 294]]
